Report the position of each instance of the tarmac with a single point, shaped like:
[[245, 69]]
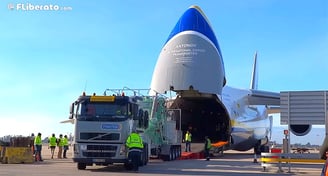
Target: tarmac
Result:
[[232, 163]]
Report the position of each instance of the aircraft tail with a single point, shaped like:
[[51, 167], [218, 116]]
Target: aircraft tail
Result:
[[254, 78]]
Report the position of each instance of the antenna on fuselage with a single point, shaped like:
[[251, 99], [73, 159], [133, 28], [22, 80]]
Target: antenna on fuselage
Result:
[[254, 79]]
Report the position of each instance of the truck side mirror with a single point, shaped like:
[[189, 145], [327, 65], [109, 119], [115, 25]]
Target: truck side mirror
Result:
[[71, 111]]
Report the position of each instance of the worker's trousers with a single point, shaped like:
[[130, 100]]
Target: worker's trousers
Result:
[[188, 146], [38, 156], [60, 151], [207, 154]]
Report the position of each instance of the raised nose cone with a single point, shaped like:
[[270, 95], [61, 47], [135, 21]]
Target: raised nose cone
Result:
[[195, 20], [191, 58]]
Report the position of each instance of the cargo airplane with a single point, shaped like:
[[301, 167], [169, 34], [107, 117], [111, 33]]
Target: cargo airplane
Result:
[[190, 65]]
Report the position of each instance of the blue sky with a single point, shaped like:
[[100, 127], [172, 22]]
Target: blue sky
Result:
[[48, 58]]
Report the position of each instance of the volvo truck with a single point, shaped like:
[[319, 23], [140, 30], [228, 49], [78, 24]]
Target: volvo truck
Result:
[[102, 124]]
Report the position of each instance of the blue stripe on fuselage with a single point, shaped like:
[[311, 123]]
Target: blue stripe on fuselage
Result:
[[193, 20]]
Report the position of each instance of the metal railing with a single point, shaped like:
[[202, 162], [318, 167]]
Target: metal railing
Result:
[[285, 159]]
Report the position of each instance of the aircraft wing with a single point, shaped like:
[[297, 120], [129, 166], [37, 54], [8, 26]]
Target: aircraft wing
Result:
[[259, 97], [271, 99]]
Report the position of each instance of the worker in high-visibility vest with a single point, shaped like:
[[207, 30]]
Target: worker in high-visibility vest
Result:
[[52, 145], [38, 147], [207, 148], [135, 146], [188, 141], [65, 147], [60, 144]]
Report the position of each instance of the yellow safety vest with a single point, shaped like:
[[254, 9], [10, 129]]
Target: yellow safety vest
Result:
[[188, 137], [61, 142], [209, 145], [134, 141], [65, 141], [52, 141], [37, 140]]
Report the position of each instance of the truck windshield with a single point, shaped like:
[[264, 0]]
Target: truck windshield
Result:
[[98, 111]]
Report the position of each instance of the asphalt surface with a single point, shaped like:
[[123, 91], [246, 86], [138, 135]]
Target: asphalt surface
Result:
[[231, 164]]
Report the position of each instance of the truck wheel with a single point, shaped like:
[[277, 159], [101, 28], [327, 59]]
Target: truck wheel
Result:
[[179, 152], [176, 153], [142, 159], [146, 155], [81, 166], [171, 155]]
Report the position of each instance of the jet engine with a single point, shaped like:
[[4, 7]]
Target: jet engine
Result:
[[300, 130]]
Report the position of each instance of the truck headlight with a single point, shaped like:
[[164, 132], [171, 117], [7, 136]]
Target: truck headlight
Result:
[[83, 147], [122, 150]]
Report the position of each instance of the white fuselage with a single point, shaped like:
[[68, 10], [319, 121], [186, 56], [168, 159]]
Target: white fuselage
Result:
[[191, 64]]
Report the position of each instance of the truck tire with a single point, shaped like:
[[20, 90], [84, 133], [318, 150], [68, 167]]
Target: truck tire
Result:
[[142, 159], [176, 153], [146, 155], [171, 154], [81, 166], [179, 151]]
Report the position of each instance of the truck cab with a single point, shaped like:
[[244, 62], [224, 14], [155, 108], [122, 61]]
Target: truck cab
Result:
[[102, 125]]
